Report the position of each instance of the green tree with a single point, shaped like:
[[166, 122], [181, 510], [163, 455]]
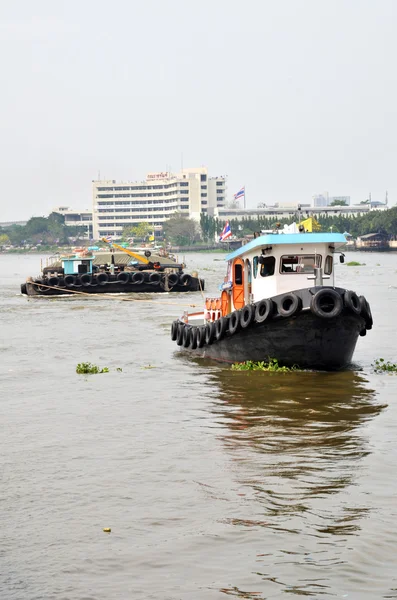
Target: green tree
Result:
[[140, 231], [181, 230], [338, 203], [4, 239]]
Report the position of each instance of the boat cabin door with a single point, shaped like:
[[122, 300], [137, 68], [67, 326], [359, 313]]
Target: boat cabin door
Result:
[[238, 284]]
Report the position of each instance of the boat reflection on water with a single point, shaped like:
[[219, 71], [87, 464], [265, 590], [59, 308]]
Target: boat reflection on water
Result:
[[298, 438]]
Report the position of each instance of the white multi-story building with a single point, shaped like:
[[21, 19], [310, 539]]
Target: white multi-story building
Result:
[[80, 218], [154, 200]]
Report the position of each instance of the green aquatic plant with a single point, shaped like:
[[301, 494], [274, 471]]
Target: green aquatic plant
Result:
[[384, 366], [270, 366], [354, 263], [88, 368]]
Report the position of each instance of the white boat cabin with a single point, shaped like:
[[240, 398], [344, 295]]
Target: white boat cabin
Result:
[[274, 264]]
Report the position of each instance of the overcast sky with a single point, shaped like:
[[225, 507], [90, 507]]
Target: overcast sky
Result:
[[287, 97]]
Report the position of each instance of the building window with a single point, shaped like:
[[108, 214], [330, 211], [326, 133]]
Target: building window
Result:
[[220, 182], [219, 191], [184, 207], [203, 177], [204, 195], [220, 199], [300, 263], [204, 202], [183, 183]]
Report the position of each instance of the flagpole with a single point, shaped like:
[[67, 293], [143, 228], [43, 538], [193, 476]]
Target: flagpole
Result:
[[245, 199]]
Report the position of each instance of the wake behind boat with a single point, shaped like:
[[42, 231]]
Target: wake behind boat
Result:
[[275, 304]]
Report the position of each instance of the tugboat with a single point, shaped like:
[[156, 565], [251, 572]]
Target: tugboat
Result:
[[279, 301], [110, 272]]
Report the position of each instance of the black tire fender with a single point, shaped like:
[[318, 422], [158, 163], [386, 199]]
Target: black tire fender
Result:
[[352, 302], [86, 279], [185, 279], [186, 336], [102, 278], [173, 279], [234, 322], [179, 337], [326, 304], [201, 336], [209, 333], [155, 278], [138, 277], [53, 281], [70, 279], [366, 312], [123, 277], [247, 314], [221, 326], [289, 305], [193, 338], [263, 310], [174, 330]]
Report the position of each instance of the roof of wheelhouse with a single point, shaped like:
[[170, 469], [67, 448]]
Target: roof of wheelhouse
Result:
[[273, 239]]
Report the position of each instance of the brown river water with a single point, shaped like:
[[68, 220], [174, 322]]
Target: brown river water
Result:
[[214, 483]]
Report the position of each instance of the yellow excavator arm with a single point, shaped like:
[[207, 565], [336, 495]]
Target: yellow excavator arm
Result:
[[139, 257]]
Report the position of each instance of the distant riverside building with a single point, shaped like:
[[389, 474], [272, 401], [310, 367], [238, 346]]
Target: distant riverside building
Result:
[[154, 200], [11, 223], [80, 218], [293, 213], [325, 200], [321, 200]]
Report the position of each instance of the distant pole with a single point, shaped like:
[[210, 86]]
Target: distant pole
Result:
[[245, 200]]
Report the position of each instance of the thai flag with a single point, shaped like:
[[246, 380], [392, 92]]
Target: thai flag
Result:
[[109, 239], [240, 194], [227, 232]]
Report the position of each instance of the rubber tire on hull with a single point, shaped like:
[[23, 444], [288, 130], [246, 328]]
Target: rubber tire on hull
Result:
[[326, 304], [123, 277], [234, 322], [209, 333], [86, 279], [179, 339], [352, 302], [70, 279], [221, 326], [366, 312], [185, 279], [289, 305], [155, 278], [193, 338], [102, 278], [173, 279], [53, 281], [186, 336], [201, 336], [263, 310], [138, 277], [247, 314], [174, 330]]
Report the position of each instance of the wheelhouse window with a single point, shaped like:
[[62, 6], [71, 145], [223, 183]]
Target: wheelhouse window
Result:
[[299, 263], [328, 265], [268, 265], [255, 266], [238, 274]]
